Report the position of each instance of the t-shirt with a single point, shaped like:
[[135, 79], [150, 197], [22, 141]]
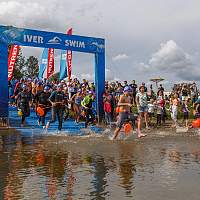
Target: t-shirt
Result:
[[142, 99], [107, 107]]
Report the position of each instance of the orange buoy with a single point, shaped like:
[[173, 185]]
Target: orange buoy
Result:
[[40, 111], [127, 128], [117, 109], [196, 123]]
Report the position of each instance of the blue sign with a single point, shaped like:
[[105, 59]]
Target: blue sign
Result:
[[35, 38]]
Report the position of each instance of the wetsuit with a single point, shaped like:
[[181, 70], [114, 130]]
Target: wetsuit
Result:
[[23, 103], [57, 97], [87, 105], [42, 100]]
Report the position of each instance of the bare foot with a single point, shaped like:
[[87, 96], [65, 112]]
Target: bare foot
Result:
[[141, 135]]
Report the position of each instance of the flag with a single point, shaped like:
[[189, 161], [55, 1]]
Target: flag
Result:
[[63, 65], [50, 63], [69, 58], [43, 64], [14, 51]]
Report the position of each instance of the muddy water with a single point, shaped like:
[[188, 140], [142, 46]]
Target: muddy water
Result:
[[96, 168]]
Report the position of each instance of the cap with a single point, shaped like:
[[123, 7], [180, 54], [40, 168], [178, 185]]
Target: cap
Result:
[[24, 86], [39, 83], [127, 89], [60, 86], [46, 88]]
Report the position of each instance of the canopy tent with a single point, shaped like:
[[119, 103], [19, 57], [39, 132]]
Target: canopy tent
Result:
[[157, 80]]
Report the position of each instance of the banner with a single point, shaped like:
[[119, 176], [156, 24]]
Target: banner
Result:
[[63, 65], [44, 39], [14, 50], [43, 64], [69, 58], [50, 63]]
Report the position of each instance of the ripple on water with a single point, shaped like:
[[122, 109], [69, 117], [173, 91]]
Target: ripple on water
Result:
[[93, 167]]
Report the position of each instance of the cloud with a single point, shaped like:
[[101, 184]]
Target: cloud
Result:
[[120, 57], [89, 77], [172, 59], [109, 75], [138, 38]]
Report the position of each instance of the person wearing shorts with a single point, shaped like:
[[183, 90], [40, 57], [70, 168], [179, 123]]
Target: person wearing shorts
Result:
[[124, 113], [142, 106]]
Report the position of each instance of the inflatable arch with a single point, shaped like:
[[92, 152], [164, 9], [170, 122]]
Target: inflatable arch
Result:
[[35, 38]]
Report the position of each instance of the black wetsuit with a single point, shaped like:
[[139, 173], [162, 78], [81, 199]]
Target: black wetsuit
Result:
[[58, 109], [23, 104], [42, 100]]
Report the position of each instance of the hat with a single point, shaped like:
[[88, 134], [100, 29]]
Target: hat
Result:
[[24, 86], [60, 86], [127, 89], [39, 83], [46, 88]]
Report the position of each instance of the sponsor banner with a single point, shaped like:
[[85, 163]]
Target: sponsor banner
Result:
[[69, 58], [63, 65], [50, 63], [14, 50], [43, 65], [43, 39]]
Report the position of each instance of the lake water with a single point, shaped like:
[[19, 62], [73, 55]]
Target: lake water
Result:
[[153, 168]]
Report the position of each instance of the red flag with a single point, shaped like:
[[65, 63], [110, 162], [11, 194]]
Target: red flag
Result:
[[69, 58], [50, 64], [11, 60]]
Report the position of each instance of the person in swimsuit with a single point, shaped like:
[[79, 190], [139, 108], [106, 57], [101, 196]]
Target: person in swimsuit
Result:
[[76, 99], [174, 109]]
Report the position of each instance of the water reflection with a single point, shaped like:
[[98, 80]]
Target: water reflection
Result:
[[57, 168]]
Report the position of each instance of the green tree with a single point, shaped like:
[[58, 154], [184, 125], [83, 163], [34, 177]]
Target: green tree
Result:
[[31, 67], [19, 66]]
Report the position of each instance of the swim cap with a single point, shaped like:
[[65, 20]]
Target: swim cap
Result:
[[46, 88], [24, 86], [127, 89], [60, 86]]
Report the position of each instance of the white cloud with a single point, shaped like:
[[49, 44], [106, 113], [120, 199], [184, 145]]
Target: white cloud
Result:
[[120, 57], [172, 59], [109, 75], [89, 77], [137, 36]]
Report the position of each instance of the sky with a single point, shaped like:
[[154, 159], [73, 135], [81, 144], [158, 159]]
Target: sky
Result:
[[144, 38]]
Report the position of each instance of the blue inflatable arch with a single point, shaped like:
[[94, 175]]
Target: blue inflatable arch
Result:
[[34, 38]]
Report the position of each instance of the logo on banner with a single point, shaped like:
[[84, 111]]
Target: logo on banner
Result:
[[11, 60], [50, 66], [64, 56], [55, 40], [100, 46], [44, 61]]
